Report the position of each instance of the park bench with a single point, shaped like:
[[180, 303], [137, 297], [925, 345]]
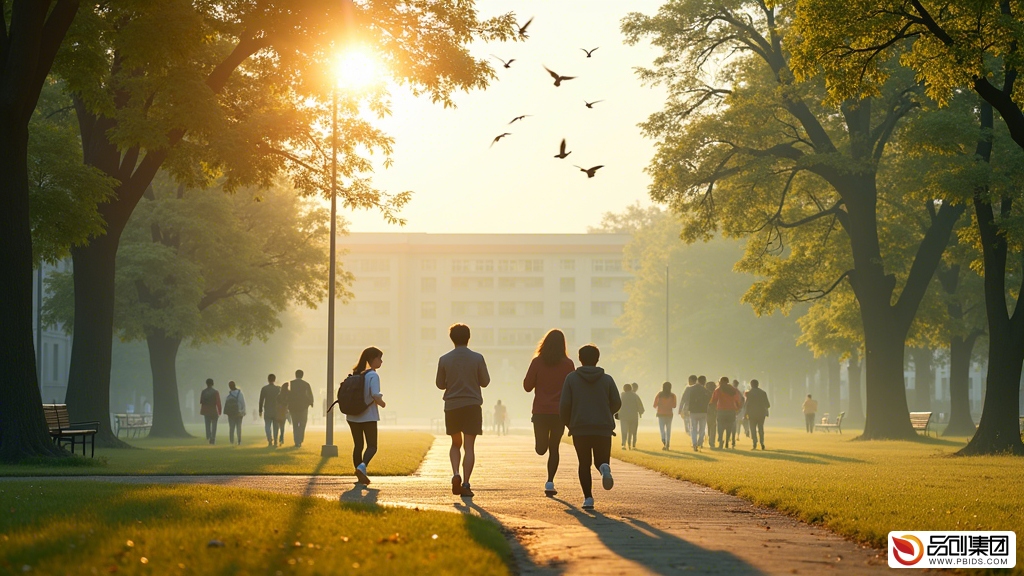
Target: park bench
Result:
[[920, 420], [437, 425], [829, 426], [389, 418], [64, 431], [132, 424]]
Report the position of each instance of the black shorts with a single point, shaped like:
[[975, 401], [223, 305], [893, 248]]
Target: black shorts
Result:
[[465, 420], [548, 424]]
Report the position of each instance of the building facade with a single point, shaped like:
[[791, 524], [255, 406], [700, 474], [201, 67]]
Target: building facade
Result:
[[53, 346]]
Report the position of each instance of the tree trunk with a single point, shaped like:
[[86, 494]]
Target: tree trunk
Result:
[[999, 429], [924, 377], [834, 387], [163, 354], [855, 414], [23, 431], [960, 421]]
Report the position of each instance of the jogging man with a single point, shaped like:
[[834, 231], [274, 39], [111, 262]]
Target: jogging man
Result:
[[461, 373]]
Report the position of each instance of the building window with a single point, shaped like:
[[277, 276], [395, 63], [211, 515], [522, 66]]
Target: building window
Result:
[[568, 310], [606, 308], [462, 283], [363, 308], [55, 364], [484, 266], [428, 333], [606, 265], [428, 284], [519, 336], [605, 336], [428, 265], [567, 265], [428, 309], [363, 337], [472, 308], [521, 309], [483, 336], [518, 283], [608, 283], [520, 265], [568, 285], [375, 265]]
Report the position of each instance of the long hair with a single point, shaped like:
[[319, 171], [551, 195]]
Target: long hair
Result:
[[552, 348], [365, 358], [666, 390]]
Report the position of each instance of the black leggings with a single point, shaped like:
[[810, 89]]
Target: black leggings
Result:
[[359, 430], [596, 450], [547, 431]]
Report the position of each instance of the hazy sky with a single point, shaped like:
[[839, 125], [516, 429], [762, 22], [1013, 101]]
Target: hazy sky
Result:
[[462, 185]]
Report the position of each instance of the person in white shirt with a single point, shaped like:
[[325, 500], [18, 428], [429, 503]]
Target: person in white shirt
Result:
[[234, 408], [364, 425]]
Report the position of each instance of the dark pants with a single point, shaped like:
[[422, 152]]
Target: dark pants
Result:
[[591, 450], [547, 432], [235, 423], [361, 430], [629, 425], [211, 427], [809, 420], [278, 431], [756, 427], [299, 418], [268, 427], [726, 427], [712, 427]]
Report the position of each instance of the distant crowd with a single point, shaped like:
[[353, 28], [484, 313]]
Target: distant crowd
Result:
[[277, 405]]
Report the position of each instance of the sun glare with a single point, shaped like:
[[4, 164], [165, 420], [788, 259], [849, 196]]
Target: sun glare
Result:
[[355, 70]]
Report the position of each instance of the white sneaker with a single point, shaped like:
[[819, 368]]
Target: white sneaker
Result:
[[588, 503], [606, 477], [549, 489]]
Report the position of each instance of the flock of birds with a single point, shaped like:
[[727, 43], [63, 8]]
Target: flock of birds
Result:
[[562, 152]]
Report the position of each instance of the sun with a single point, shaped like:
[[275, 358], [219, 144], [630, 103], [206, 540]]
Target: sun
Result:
[[354, 70]]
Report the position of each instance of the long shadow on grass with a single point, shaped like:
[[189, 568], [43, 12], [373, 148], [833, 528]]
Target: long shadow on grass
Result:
[[293, 531], [646, 545], [778, 455], [518, 559], [678, 455]]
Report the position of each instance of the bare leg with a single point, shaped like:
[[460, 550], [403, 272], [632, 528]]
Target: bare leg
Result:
[[455, 454], [470, 459]]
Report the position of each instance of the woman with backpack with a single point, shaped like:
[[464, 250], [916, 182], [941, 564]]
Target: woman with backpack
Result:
[[364, 425], [234, 409], [281, 411], [665, 403]]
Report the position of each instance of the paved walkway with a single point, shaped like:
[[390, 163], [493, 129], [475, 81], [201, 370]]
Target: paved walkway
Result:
[[648, 524]]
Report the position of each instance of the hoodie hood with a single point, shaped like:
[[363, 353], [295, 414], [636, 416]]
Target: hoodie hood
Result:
[[590, 373], [730, 390]]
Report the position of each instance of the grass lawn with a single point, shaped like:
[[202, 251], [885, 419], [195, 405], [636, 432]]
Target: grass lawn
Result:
[[399, 453], [858, 489], [96, 528]]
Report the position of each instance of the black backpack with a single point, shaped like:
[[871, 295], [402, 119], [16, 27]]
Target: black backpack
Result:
[[231, 405], [698, 399], [352, 395]]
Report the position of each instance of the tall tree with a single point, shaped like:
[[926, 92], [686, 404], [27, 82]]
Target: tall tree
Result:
[[31, 32], [747, 148], [202, 266], [954, 45], [204, 89]]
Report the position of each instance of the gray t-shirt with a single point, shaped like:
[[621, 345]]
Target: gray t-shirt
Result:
[[461, 373]]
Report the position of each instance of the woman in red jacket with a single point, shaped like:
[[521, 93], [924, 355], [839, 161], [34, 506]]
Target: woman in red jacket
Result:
[[727, 401], [545, 378]]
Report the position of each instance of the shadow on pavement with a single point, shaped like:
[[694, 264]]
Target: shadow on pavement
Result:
[[359, 494], [519, 560], [657, 550]]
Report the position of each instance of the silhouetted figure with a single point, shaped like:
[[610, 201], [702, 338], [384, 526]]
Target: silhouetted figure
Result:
[[234, 409], [591, 104], [268, 408], [462, 373], [589, 52], [522, 29], [640, 404], [590, 171], [561, 150], [500, 419], [757, 406], [741, 416], [209, 407], [300, 400], [694, 407], [629, 415], [281, 412], [712, 410], [665, 404], [507, 64], [545, 377], [558, 78], [810, 407], [520, 117], [589, 399], [727, 401], [364, 425], [499, 137]]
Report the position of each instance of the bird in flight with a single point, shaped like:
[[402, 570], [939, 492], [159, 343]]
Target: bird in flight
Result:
[[591, 104], [506, 64], [561, 151], [499, 137], [558, 79], [590, 171], [520, 117], [522, 29], [589, 52]]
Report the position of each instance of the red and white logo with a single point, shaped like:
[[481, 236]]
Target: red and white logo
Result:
[[906, 549]]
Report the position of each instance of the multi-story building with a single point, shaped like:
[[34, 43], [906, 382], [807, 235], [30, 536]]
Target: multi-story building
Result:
[[53, 346], [509, 288]]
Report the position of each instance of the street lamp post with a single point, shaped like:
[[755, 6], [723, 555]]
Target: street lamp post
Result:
[[329, 449]]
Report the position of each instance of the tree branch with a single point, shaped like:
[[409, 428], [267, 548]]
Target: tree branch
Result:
[[822, 293]]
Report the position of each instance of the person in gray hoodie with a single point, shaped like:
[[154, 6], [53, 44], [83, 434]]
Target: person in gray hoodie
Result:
[[589, 401]]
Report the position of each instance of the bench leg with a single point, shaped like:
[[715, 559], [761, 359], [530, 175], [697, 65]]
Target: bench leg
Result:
[[92, 441]]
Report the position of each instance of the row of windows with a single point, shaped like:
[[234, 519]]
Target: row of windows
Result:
[[521, 336], [478, 309], [471, 283], [524, 265]]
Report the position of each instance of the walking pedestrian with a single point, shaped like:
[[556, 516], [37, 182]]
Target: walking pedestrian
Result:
[[665, 403], [281, 413], [712, 417], [629, 416], [727, 401], [300, 400], [364, 425], [461, 373], [695, 402], [234, 409], [757, 406], [741, 416], [209, 407], [500, 419], [545, 377], [268, 408], [589, 399], [635, 425], [810, 407]]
